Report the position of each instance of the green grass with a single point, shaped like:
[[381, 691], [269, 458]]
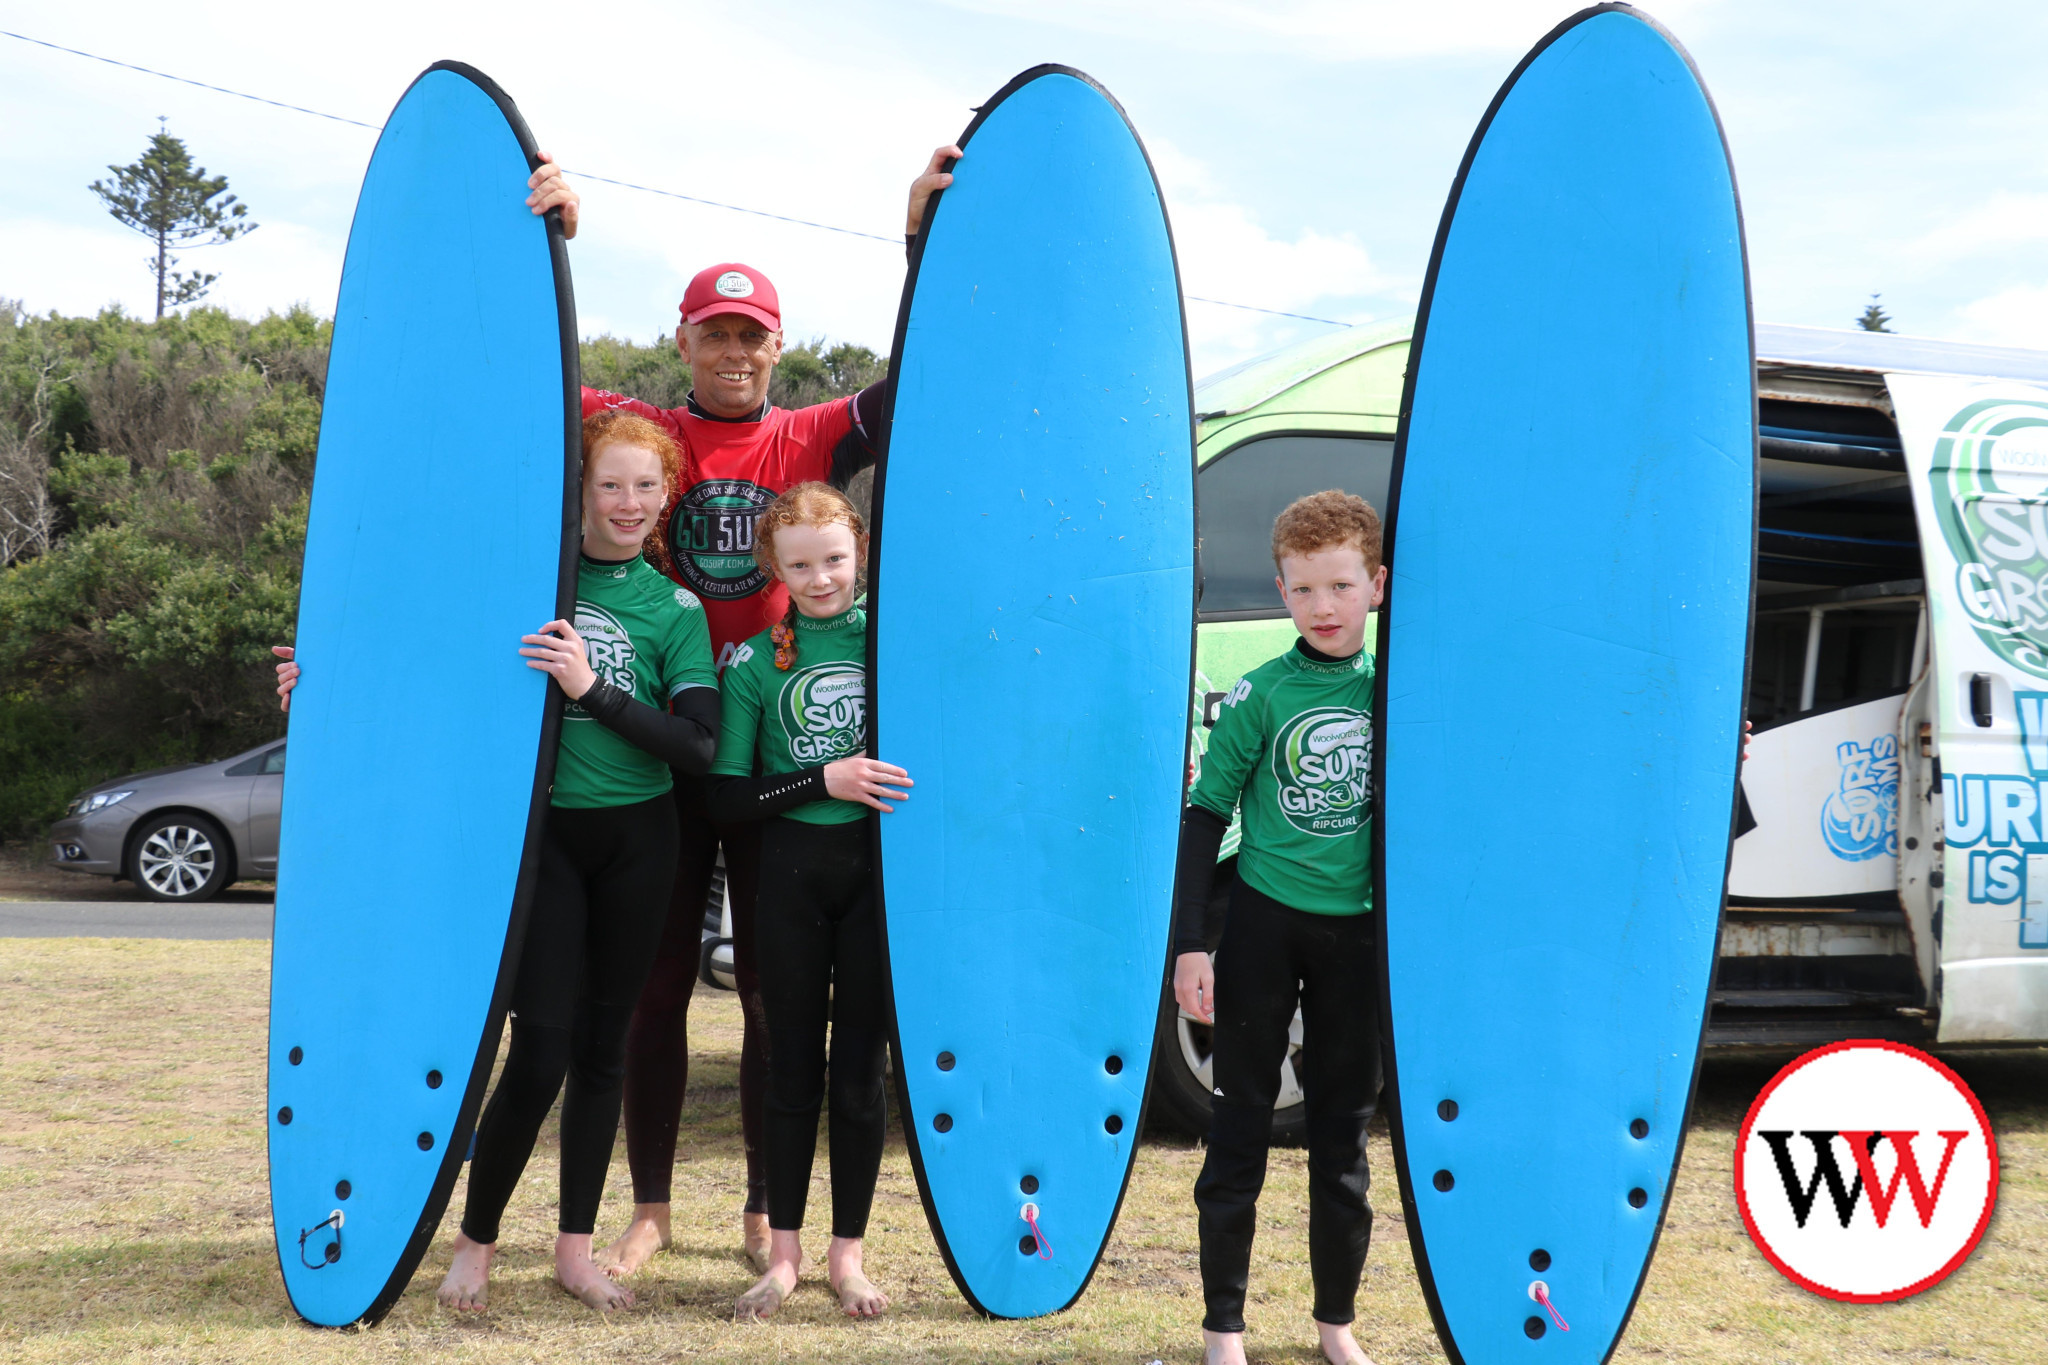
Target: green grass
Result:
[[134, 1223]]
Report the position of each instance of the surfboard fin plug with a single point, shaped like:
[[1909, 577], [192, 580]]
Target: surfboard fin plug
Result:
[[1540, 1292], [1029, 1213], [333, 1251]]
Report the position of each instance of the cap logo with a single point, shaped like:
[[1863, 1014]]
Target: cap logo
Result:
[[734, 285]]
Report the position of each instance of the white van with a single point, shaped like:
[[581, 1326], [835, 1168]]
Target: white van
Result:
[[1889, 877]]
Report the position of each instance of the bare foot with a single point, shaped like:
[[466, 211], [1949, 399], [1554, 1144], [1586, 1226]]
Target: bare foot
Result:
[[1339, 1346], [785, 1255], [858, 1296], [581, 1277], [1222, 1348], [635, 1247], [765, 1298], [468, 1284], [756, 1234]]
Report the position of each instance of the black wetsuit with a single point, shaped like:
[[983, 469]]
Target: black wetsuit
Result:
[[607, 862], [819, 936], [1307, 837]]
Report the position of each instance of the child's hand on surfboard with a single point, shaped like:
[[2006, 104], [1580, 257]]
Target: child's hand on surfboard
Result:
[[558, 652], [287, 676], [550, 190], [1745, 741], [868, 781], [936, 176], [1194, 986]]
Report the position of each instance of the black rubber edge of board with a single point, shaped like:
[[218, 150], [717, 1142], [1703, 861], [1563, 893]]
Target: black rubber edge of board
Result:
[[1391, 1103], [455, 1150], [877, 502]]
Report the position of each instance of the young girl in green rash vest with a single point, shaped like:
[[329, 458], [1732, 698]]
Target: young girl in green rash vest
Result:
[[791, 752], [1292, 749], [636, 669]]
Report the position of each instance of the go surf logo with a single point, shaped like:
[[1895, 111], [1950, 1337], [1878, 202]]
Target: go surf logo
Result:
[[609, 649], [711, 535], [1866, 1171], [1322, 764], [825, 713], [1990, 477]]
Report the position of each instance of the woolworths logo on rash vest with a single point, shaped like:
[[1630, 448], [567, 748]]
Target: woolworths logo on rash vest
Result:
[[1322, 761], [610, 650], [1990, 477], [825, 712]]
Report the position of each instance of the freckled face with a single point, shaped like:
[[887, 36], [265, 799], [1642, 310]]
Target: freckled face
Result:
[[1329, 593]]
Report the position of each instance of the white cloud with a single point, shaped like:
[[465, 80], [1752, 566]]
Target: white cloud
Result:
[[2014, 316], [2003, 220]]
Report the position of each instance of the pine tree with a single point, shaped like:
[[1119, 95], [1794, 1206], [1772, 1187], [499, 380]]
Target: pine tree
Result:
[[167, 199], [1874, 318]]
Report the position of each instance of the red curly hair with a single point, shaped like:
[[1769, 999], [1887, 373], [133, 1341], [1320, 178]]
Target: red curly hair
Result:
[[1326, 521]]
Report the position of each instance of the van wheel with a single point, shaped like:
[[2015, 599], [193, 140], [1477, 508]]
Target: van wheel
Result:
[[180, 857], [1183, 1080]]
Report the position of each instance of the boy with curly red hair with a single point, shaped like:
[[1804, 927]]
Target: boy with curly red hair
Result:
[[1292, 750]]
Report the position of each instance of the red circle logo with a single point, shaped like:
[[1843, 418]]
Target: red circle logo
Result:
[[1866, 1171]]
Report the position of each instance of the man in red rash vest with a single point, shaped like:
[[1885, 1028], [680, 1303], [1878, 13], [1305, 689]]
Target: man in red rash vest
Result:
[[739, 452]]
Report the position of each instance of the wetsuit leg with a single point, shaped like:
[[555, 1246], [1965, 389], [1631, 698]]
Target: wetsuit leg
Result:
[[658, 1043], [628, 861], [802, 885], [742, 845], [1340, 1081], [1256, 992], [543, 1011], [859, 1110]]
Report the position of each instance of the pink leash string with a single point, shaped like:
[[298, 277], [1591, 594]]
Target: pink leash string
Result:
[[1030, 1216]]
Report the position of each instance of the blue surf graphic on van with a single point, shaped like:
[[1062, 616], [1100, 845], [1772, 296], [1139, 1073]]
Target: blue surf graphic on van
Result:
[[1859, 818]]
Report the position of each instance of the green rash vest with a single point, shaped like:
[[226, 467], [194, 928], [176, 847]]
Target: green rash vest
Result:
[[1293, 746], [646, 637], [816, 713]]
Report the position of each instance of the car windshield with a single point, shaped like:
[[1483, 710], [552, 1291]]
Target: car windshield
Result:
[[1242, 490]]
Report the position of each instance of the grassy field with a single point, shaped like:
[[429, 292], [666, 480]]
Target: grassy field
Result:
[[134, 1222]]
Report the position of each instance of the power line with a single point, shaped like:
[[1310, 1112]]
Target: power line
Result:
[[603, 179], [217, 89]]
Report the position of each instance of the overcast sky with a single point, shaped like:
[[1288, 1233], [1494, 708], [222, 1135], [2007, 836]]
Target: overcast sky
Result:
[[1305, 146]]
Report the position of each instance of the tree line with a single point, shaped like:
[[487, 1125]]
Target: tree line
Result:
[[154, 478]]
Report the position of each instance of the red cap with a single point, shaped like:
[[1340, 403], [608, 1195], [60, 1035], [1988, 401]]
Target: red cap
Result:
[[732, 288]]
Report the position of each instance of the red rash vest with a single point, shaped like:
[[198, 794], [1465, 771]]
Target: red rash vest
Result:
[[731, 470]]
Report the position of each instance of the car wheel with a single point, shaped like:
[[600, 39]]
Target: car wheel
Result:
[[1184, 1061], [181, 857]]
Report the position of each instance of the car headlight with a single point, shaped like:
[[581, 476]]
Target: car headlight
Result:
[[100, 800]]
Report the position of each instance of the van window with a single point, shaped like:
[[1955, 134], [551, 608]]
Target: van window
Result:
[[1242, 490]]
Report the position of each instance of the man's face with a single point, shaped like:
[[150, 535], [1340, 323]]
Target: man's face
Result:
[[731, 357]]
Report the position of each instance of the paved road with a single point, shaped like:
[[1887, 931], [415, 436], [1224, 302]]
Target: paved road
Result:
[[132, 919]]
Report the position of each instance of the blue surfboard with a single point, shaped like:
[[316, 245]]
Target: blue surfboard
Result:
[[1031, 655], [421, 745], [1562, 681]]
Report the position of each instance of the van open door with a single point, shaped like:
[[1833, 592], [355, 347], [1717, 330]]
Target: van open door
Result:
[[1977, 465]]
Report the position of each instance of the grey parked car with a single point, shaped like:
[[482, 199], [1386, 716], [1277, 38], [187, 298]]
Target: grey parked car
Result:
[[180, 834]]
